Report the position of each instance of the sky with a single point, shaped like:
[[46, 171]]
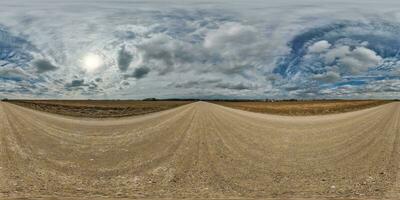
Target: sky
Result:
[[122, 49]]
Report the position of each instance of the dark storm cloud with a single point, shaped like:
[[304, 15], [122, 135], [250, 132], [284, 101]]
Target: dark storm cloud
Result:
[[43, 66], [87, 88], [76, 83], [124, 59], [141, 72]]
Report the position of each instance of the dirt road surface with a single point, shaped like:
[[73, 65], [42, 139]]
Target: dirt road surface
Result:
[[200, 150]]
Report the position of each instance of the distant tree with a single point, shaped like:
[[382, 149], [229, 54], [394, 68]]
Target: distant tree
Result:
[[150, 99], [5, 99]]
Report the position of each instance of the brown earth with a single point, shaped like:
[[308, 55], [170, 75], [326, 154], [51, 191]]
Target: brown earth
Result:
[[99, 108], [200, 150], [299, 108]]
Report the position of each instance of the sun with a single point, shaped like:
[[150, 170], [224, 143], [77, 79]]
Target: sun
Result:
[[91, 62]]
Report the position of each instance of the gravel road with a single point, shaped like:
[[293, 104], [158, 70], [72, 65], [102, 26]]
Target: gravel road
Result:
[[200, 150]]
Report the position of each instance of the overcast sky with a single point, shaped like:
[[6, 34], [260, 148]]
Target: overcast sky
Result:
[[200, 49]]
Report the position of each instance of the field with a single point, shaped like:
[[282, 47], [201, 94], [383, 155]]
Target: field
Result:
[[303, 107], [200, 150], [123, 108], [99, 108]]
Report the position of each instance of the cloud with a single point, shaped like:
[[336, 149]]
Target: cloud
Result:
[[383, 86], [76, 83], [328, 77], [15, 50], [237, 48], [124, 59], [160, 50], [210, 83], [367, 56], [81, 87], [201, 83], [359, 60], [13, 73], [187, 84], [43, 66], [165, 54], [140, 72], [319, 47], [230, 35], [236, 86], [335, 53], [374, 89], [125, 83]]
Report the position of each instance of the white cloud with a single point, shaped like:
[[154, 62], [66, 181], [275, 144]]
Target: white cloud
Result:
[[319, 47], [338, 52], [359, 60], [229, 36], [353, 61], [367, 56], [239, 47]]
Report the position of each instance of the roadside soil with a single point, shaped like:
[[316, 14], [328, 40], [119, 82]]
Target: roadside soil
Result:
[[303, 108], [99, 108]]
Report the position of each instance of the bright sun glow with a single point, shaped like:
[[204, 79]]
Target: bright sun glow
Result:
[[91, 62]]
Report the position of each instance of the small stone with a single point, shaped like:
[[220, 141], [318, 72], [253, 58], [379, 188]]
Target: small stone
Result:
[[333, 187]]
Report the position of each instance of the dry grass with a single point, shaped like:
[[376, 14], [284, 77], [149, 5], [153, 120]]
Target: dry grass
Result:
[[298, 108], [99, 108], [121, 108]]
